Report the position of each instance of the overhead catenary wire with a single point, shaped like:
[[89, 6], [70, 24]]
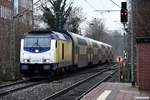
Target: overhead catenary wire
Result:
[[115, 3], [90, 5], [103, 10], [109, 17]]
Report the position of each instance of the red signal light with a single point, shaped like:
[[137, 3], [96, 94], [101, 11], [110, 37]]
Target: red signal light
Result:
[[125, 14]]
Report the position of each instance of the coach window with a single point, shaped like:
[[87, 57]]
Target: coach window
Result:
[[7, 13], [82, 41], [16, 6], [103, 47], [30, 5], [0, 11], [95, 45]]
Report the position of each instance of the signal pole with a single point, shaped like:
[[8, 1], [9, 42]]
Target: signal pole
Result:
[[124, 20]]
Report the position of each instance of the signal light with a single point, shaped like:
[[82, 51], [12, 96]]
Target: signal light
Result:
[[124, 12]]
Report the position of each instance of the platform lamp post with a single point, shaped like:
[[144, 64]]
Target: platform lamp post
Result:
[[12, 35], [12, 39]]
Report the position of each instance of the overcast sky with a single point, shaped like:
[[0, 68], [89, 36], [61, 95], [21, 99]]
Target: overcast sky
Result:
[[111, 19]]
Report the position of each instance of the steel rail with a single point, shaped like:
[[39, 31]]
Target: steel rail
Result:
[[65, 90], [9, 91], [14, 83], [103, 80], [97, 70]]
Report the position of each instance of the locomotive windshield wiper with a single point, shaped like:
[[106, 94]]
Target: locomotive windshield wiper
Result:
[[36, 44]]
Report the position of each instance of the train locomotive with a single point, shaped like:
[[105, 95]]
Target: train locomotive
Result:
[[47, 52]]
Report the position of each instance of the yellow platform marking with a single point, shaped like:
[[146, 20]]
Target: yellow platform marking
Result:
[[104, 95]]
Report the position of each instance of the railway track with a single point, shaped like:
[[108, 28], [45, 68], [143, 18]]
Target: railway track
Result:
[[51, 87], [78, 89], [103, 80], [16, 86], [13, 83]]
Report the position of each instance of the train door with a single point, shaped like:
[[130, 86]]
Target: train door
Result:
[[89, 56]]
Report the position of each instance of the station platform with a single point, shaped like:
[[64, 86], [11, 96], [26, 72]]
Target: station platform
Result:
[[116, 91]]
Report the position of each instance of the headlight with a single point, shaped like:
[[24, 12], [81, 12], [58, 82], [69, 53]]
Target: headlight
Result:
[[26, 60], [36, 51], [46, 67], [24, 67], [46, 60]]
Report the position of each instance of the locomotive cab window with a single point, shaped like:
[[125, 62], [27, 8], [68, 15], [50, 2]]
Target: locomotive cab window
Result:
[[37, 42]]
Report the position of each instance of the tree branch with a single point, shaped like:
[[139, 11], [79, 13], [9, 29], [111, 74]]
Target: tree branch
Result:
[[63, 5], [51, 1]]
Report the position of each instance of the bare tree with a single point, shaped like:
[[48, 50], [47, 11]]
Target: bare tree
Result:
[[74, 20], [96, 30], [117, 42]]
